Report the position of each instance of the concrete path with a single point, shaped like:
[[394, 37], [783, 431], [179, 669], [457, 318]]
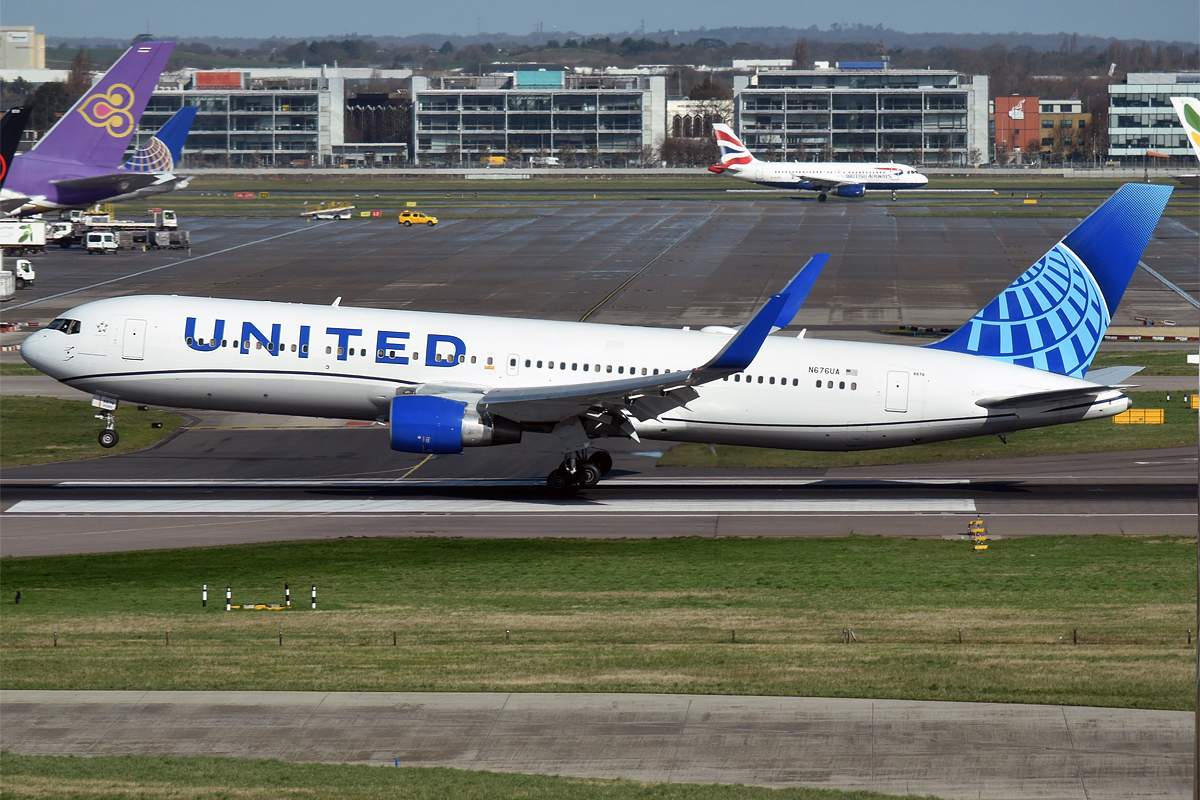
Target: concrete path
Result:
[[951, 750]]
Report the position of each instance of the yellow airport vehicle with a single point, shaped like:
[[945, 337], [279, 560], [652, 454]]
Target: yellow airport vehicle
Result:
[[409, 217]]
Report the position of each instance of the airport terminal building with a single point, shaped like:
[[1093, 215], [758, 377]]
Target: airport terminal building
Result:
[[540, 111], [1141, 117], [863, 111]]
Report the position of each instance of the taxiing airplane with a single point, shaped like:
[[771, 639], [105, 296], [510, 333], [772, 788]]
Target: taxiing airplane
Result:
[[443, 382], [1188, 109], [843, 180], [78, 162]]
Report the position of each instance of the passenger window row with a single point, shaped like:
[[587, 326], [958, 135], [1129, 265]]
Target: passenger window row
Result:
[[770, 380], [575, 366]]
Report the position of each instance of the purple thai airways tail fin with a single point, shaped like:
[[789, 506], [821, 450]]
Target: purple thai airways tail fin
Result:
[[97, 129]]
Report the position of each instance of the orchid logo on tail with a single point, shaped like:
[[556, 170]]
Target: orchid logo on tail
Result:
[[111, 111]]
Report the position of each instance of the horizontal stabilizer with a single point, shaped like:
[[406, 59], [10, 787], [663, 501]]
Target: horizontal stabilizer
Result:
[[798, 289], [1111, 376], [118, 181], [1039, 399]]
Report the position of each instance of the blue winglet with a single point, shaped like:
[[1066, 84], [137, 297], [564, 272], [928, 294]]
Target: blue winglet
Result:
[[742, 348], [1053, 317], [799, 287]]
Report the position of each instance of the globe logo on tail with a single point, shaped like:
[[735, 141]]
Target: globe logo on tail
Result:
[[111, 110]]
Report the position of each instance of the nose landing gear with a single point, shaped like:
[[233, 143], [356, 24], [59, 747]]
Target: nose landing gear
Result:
[[108, 415]]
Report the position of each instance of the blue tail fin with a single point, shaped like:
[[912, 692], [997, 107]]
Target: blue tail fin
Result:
[[162, 152], [1054, 316]]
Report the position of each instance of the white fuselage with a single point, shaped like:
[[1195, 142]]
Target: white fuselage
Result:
[[822, 176], [349, 363]]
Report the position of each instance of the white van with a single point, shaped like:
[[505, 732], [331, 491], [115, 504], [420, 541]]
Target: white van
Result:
[[101, 242]]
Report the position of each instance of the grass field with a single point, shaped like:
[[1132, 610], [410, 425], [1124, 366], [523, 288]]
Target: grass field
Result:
[[622, 616], [37, 430], [1156, 362], [1178, 430], [154, 777]]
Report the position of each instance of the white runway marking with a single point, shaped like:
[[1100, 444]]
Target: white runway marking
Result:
[[448, 483], [303, 508]]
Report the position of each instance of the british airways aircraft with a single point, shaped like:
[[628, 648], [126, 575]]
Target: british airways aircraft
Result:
[[843, 180], [443, 382]]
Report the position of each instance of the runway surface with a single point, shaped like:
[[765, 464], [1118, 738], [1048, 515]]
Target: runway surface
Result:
[[952, 750], [229, 484]]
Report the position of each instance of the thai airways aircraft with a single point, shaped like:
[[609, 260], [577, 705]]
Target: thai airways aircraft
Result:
[[1188, 109], [443, 382], [843, 180], [78, 161]]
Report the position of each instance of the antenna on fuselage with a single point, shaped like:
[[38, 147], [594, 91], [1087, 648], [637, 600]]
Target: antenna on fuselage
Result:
[[337, 302]]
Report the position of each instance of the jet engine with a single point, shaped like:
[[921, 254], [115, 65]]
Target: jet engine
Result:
[[426, 424], [857, 190]]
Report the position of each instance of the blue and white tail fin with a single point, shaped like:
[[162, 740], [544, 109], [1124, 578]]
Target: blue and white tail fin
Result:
[[1054, 316], [162, 152]]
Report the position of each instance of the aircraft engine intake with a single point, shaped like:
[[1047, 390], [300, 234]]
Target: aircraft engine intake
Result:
[[426, 424], [857, 190]]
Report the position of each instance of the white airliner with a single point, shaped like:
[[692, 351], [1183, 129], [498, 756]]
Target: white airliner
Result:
[[1188, 109], [843, 180], [447, 381]]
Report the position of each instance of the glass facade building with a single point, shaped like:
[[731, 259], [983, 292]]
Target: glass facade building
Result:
[[1141, 117], [464, 120], [845, 114]]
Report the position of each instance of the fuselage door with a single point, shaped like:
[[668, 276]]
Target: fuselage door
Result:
[[897, 392], [134, 346]]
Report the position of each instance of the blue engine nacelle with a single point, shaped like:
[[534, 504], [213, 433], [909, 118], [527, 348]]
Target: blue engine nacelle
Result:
[[426, 424], [857, 190]]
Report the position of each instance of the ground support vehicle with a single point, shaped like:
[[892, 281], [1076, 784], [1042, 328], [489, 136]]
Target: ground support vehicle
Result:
[[408, 217], [21, 237]]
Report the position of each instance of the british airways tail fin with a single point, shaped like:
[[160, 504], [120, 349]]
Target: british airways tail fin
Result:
[[11, 128], [733, 152], [162, 152], [97, 129], [1188, 109], [1054, 316]]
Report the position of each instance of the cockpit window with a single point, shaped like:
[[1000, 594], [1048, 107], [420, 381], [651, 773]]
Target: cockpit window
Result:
[[67, 326]]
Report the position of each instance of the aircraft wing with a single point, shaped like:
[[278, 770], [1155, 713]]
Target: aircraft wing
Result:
[[643, 397], [826, 182]]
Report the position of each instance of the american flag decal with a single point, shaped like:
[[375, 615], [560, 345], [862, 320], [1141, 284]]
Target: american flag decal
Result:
[[853, 372]]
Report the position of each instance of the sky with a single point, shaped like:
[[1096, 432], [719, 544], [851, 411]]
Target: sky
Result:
[[1148, 19]]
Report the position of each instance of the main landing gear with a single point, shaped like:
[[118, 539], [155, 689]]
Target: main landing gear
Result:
[[822, 197], [579, 472]]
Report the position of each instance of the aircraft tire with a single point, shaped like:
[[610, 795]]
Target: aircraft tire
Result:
[[602, 460], [588, 475], [109, 438], [559, 481], [821, 198]]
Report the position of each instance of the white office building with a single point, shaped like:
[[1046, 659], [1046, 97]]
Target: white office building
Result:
[[1141, 117]]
